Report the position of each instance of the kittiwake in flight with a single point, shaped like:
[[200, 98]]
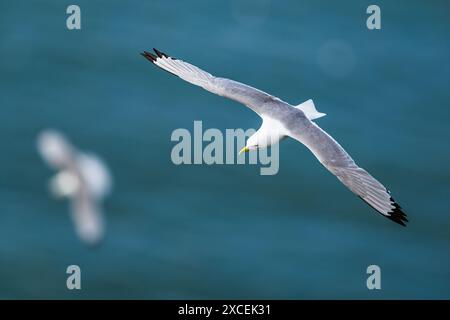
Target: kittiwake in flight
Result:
[[280, 120], [82, 177]]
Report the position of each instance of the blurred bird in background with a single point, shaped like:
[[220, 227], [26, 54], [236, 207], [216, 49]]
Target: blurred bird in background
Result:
[[82, 178]]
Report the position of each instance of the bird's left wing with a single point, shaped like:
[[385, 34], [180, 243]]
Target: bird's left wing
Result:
[[251, 97], [331, 154]]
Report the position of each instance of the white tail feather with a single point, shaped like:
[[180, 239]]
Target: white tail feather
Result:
[[309, 110]]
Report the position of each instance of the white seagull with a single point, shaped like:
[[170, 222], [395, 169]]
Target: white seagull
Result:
[[280, 120], [82, 177]]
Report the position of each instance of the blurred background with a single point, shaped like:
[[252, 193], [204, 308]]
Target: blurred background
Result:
[[224, 231]]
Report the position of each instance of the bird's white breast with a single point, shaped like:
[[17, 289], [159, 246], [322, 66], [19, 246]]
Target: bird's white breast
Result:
[[271, 132]]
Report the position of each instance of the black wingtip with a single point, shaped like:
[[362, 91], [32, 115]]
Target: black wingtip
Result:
[[161, 54], [150, 57], [397, 215]]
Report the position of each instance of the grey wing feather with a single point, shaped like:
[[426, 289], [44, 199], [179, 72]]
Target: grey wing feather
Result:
[[331, 154], [251, 97]]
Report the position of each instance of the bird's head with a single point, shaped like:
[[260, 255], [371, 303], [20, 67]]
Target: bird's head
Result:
[[270, 132], [253, 143]]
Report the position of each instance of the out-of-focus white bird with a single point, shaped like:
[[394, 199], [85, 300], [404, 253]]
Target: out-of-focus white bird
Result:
[[82, 177]]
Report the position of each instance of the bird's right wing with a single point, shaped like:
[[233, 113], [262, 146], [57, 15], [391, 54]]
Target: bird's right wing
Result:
[[87, 217], [331, 154], [251, 97]]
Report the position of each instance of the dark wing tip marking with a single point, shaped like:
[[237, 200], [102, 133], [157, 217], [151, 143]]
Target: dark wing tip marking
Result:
[[150, 57], [159, 53], [397, 215], [162, 54]]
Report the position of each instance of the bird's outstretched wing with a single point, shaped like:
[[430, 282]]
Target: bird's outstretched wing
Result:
[[251, 97], [87, 217], [56, 150], [331, 154]]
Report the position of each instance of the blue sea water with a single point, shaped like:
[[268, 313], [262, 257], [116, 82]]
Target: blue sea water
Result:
[[224, 231]]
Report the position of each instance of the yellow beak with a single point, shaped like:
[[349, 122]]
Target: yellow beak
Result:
[[244, 149]]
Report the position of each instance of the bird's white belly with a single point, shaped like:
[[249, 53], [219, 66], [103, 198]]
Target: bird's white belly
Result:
[[272, 131]]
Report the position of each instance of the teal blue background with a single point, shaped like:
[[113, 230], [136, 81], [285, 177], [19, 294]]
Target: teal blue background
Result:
[[224, 231]]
